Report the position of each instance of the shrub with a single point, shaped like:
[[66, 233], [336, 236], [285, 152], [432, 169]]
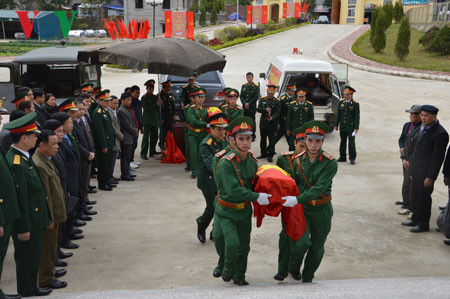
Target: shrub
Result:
[[379, 37], [441, 42], [373, 20], [231, 33], [290, 21], [202, 20], [428, 36], [194, 7], [201, 38], [389, 10], [253, 32], [398, 12], [214, 42], [243, 29], [401, 49], [219, 34]]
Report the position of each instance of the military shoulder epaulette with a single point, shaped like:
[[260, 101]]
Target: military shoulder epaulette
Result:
[[287, 153], [239, 107], [277, 99], [293, 102], [342, 100], [251, 155], [230, 156], [99, 110], [327, 155], [355, 101], [16, 160], [221, 153], [226, 105], [299, 155], [185, 85], [210, 140], [309, 102]]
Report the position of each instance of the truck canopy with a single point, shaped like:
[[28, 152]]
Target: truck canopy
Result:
[[302, 65], [50, 55]]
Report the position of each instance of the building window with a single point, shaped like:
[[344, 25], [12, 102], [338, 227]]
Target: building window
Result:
[[351, 1], [350, 20], [289, 1], [166, 4], [139, 3], [351, 11], [259, 2]]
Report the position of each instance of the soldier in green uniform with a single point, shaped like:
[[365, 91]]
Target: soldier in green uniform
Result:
[[347, 121], [34, 213], [96, 90], [286, 100], [9, 206], [104, 139], [186, 91], [249, 98], [288, 254], [196, 124], [269, 107], [225, 102], [233, 210], [186, 130], [232, 110], [211, 145], [299, 112], [314, 171], [151, 105], [167, 111]]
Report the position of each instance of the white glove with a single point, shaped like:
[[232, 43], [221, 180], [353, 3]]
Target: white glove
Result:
[[290, 201], [263, 198]]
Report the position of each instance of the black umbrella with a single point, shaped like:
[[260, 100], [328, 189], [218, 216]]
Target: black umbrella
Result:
[[175, 56]]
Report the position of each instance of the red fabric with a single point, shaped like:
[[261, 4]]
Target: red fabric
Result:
[[133, 116], [108, 28], [284, 10], [168, 22], [190, 25], [172, 152], [249, 14], [297, 10], [264, 18], [273, 180]]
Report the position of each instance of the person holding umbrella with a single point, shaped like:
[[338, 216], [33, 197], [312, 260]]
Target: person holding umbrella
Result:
[[167, 111]]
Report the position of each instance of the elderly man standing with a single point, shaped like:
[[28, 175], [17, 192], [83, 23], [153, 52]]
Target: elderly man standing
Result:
[[426, 162], [47, 148], [117, 133], [129, 132]]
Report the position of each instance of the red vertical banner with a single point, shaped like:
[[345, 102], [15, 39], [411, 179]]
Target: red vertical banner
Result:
[[168, 23], [290, 10], [178, 24], [264, 18], [307, 7], [249, 14], [284, 10], [297, 10], [27, 26], [190, 25]]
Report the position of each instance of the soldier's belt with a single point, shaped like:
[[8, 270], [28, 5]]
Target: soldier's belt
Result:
[[194, 129], [236, 206], [324, 199]]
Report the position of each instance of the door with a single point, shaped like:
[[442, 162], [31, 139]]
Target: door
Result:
[[275, 12], [90, 73], [341, 72], [7, 79], [336, 93]]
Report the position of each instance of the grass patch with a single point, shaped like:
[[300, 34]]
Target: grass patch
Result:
[[16, 48], [116, 66], [250, 38], [418, 57]]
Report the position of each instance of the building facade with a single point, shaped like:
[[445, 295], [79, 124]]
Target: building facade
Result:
[[275, 8]]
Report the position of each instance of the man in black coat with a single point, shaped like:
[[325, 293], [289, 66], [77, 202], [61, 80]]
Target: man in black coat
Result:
[[406, 143], [39, 99], [137, 107], [424, 168], [446, 173]]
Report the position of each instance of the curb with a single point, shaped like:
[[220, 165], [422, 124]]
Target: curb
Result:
[[399, 73]]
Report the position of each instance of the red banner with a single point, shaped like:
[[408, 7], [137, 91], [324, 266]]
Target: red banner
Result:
[[190, 25], [290, 11], [178, 24], [264, 18], [249, 14], [168, 22], [307, 7], [297, 10], [284, 10], [257, 14]]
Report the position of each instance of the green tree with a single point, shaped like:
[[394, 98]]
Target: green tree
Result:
[[403, 39], [373, 20], [213, 18], [7, 4], [312, 5], [379, 38], [441, 42], [398, 12], [389, 10], [202, 20], [328, 3]]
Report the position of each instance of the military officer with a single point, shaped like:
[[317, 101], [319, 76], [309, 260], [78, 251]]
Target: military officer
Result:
[[233, 210], [232, 110], [186, 130], [34, 213], [96, 90], [286, 100], [151, 105], [314, 171], [104, 139], [299, 112], [269, 107], [9, 207], [225, 102], [167, 111], [196, 124], [211, 145], [186, 91], [22, 96], [288, 254], [249, 98], [347, 121]]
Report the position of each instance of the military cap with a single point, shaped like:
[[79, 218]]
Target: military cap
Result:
[[430, 108], [315, 129], [242, 125], [291, 86], [226, 90], [97, 88], [199, 91], [271, 88], [349, 89], [302, 91], [414, 109], [25, 124], [149, 82], [68, 105], [233, 92], [168, 82], [104, 95], [87, 87], [192, 77], [299, 134], [23, 96], [216, 118]]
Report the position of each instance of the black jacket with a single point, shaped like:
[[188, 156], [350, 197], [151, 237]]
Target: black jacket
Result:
[[410, 142], [72, 167], [446, 168], [84, 144], [429, 152], [60, 165], [137, 107], [42, 115], [401, 140]]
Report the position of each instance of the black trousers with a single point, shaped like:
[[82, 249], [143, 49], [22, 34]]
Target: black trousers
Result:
[[281, 132], [406, 189], [165, 127], [267, 150], [125, 158], [421, 198], [133, 149], [113, 162]]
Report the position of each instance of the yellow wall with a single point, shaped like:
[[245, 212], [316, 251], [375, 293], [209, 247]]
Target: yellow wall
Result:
[[270, 3]]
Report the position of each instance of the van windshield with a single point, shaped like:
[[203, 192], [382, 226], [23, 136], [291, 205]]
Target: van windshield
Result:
[[318, 85]]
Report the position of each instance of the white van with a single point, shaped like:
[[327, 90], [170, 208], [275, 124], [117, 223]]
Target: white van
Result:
[[323, 80]]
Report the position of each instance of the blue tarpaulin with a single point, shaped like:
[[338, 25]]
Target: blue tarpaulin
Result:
[[233, 16]]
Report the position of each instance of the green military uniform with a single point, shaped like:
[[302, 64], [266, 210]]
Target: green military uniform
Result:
[[298, 114], [268, 128], [186, 143], [285, 101], [9, 207], [34, 214], [250, 94], [196, 124], [104, 138], [347, 120], [185, 92], [151, 124], [314, 183]]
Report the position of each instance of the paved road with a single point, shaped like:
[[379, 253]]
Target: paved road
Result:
[[144, 236]]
